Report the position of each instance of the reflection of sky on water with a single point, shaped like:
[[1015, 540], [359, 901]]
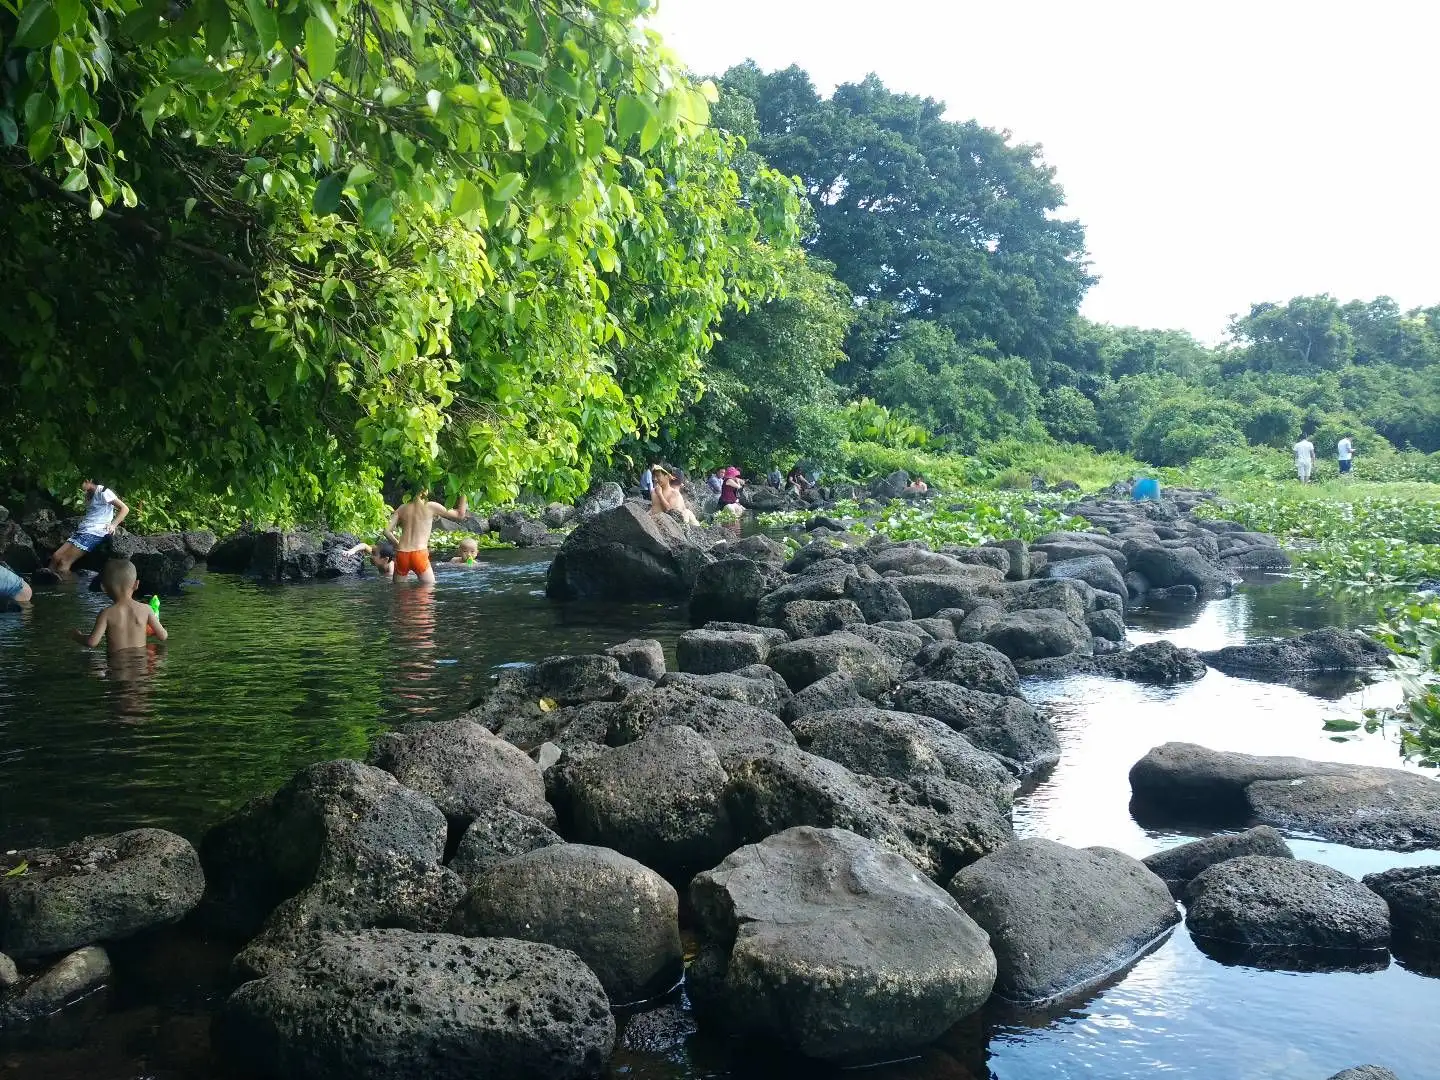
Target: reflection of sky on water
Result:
[[1178, 1012]]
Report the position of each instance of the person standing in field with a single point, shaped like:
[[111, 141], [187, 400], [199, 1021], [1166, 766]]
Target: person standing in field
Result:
[[1304, 459], [415, 520], [1345, 451]]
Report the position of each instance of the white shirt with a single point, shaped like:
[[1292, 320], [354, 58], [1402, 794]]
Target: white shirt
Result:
[[98, 511], [1304, 451], [1344, 449]]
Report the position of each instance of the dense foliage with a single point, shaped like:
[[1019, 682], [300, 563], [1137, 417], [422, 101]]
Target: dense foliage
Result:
[[1412, 632], [965, 518], [273, 252]]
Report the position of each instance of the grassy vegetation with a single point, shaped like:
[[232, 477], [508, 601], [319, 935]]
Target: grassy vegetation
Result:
[[965, 518]]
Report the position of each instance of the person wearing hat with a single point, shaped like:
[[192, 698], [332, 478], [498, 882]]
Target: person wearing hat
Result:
[[730, 486], [665, 496]]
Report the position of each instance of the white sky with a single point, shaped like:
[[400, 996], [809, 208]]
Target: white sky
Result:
[[1218, 152]]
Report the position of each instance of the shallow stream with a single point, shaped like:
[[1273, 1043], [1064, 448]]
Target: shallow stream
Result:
[[257, 681]]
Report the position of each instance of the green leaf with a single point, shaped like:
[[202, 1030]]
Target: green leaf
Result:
[[9, 130], [189, 207], [68, 12], [359, 176], [528, 59], [379, 213], [38, 25], [75, 180], [507, 187], [594, 135], [262, 18], [18, 869], [42, 142], [320, 46], [562, 82], [1341, 725], [649, 134], [467, 197], [328, 287], [390, 94], [217, 28], [327, 194], [96, 208], [632, 116]]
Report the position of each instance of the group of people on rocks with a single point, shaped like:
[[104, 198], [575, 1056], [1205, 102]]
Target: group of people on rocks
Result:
[[661, 484], [1305, 457]]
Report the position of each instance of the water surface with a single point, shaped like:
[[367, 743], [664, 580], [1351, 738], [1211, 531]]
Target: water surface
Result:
[[257, 681]]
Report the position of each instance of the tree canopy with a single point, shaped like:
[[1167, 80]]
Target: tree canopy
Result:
[[277, 250]]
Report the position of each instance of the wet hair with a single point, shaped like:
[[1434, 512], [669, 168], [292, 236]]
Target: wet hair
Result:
[[384, 550], [470, 545], [118, 577]]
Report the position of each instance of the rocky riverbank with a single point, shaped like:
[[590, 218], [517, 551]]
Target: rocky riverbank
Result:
[[822, 789]]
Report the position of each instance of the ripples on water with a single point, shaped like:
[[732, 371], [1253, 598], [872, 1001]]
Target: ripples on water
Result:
[[257, 681]]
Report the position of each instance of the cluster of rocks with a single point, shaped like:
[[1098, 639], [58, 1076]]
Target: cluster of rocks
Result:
[[161, 560], [1248, 900]]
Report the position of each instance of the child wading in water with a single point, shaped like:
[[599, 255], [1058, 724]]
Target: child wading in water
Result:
[[465, 554], [415, 520], [126, 622], [382, 556]]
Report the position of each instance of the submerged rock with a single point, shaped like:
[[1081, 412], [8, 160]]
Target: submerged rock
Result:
[[1413, 893], [620, 918], [1360, 805], [1292, 903], [69, 979], [394, 1005], [1305, 654], [102, 888], [833, 946], [1177, 866], [1061, 919], [1159, 663]]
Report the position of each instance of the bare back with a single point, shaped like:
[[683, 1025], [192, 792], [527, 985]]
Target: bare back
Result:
[[124, 623], [415, 520]]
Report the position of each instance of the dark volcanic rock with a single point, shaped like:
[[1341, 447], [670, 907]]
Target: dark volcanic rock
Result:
[[835, 691], [644, 657], [69, 979], [1164, 567], [101, 888], [1177, 866], [723, 722], [728, 589], [1060, 919], [464, 769], [1413, 893], [835, 947], [1157, 662], [625, 554], [1007, 727], [496, 835], [393, 1005], [801, 663], [1037, 634], [619, 917], [1366, 1072], [1360, 805], [971, 665], [704, 652], [1317, 651], [1261, 900], [659, 800], [812, 618]]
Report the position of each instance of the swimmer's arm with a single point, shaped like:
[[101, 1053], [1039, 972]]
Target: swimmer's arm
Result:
[[153, 621], [357, 549], [458, 514], [97, 632]]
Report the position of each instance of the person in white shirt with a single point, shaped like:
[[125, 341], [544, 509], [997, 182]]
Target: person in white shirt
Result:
[[99, 522], [1345, 451], [1304, 459]]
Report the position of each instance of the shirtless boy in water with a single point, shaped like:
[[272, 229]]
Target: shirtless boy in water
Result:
[[415, 519], [125, 623]]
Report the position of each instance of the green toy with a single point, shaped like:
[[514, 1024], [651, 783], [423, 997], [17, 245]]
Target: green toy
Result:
[[155, 603]]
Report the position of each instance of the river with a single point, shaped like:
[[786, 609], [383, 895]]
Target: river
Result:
[[257, 681]]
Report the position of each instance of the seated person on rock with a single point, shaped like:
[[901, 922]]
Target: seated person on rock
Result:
[[730, 491], [797, 483], [774, 479], [415, 520], [126, 623], [716, 480], [13, 586], [382, 556], [100, 521], [466, 553], [665, 496]]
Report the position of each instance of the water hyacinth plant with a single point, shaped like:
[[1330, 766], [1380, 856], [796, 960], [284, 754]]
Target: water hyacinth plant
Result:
[[964, 518], [1412, 632]]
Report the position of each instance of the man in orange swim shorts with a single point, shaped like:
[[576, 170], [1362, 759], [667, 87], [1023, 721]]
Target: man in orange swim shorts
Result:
[[415, 519]]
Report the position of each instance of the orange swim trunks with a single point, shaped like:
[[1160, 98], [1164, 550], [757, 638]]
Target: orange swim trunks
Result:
[[406, 561]]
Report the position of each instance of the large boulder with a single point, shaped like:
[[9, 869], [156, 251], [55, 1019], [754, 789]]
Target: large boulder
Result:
[[1259, 900], [1004, 726], [17, 549], [812, 618], [393, 1005], [890, 487], [341, 846], [915, 560], [1097, 571], [644, 657], [1178, 866], [835, 947], [1413, 893], [878, 742], [935, 823], [64, 982], [1159, 663], [728, 589], [601, 500], [659, 800], [973, 665], [704, 652], [1360, 805], [1037, 634], [926, 594], [102, 888], [725, 722], [496, 835], [801, 663], [625, 553], [1164, 567], [464, 769], [1061, 919], [1305, 654], [619, 917]]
